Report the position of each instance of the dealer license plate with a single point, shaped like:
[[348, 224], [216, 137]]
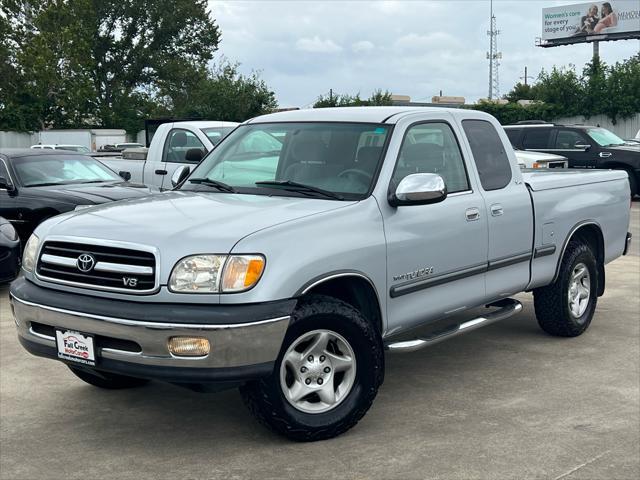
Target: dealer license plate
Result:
[[75, 347]]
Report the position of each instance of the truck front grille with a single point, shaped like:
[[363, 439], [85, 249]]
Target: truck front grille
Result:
[[98, 266]]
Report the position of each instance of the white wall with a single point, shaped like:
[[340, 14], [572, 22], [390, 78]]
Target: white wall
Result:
[[17, 139], [624, 127]]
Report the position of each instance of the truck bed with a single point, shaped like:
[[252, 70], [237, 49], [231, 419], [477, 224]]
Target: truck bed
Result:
[[597, 197], [539, 180]]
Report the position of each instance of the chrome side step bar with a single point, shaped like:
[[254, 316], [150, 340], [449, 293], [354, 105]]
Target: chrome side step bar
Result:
[[508, 307]]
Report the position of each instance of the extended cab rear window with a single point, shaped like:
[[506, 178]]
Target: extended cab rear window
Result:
[[489, 154]]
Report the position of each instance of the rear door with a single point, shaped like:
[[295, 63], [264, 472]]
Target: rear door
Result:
[[508, 206], [537, 139]]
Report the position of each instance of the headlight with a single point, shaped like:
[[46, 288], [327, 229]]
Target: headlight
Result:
[[8, 231], [216, 273], [30, 252]]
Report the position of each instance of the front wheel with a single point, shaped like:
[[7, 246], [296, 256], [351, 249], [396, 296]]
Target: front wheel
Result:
[[110, 381], [326, 376]]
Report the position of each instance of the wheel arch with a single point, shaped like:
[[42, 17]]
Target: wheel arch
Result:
[[589, 232], [352, 287]]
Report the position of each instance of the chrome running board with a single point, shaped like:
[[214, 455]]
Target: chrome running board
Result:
[[507, 308]]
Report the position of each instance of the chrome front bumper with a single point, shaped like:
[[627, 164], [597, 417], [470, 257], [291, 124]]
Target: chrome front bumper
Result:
[[232, 345]]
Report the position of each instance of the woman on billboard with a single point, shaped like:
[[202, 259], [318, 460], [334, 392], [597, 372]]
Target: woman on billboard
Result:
[[609, 18], [588, 22]]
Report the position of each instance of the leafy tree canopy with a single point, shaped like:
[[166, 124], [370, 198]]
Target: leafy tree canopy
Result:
[[377, 98], [112, 63], [599, 89]]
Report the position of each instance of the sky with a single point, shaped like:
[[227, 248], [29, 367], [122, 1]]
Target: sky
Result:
[[408, 47]]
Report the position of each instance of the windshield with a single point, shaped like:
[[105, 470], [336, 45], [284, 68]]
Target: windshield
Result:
[[73, 148], [60, 170], [604, 137], [339, 158], [216, 134]]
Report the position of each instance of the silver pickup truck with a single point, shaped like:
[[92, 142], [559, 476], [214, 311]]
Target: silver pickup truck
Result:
[[289, 268]]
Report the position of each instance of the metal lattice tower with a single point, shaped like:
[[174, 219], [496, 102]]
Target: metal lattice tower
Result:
[[494, 56]]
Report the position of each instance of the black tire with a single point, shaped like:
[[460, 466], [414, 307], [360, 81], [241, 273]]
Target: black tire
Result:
[[267, 402], [552, 304], [110, 381]]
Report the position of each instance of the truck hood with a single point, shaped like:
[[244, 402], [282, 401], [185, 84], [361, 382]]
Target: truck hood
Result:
[[185, 223], [81, 194], [625, 148]]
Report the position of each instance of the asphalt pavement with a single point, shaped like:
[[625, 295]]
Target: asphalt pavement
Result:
[[505, 401]]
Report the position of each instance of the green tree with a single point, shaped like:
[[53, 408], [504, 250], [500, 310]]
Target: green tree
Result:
[[101, 62], [377, 98], [519, 92], [220, 93]]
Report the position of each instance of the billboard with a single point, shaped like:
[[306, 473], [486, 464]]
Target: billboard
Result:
[[591, 21]]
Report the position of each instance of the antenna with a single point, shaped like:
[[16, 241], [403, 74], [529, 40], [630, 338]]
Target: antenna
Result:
[[493, 56]]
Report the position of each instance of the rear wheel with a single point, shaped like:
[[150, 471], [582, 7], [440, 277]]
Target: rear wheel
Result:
[[326, 376], [566, 307], [107, 380]]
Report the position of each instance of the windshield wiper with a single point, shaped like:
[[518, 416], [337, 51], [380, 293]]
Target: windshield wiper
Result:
[[223, 187], [299, 187]]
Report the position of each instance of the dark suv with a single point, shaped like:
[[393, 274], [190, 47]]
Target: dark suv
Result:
[[585, 146]]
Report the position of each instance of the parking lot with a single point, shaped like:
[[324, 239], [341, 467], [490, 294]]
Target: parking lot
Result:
[[507, 401]]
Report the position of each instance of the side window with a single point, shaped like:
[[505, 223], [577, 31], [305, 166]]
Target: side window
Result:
[[513, 135], [178, 143], [489, 154], [536, 137], [3, 172], [567, 139], [432, 148]]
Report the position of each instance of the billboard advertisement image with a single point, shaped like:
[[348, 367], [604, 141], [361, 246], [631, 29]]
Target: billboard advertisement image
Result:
[[618, 19]]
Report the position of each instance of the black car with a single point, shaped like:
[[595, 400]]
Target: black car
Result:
[[9, 251], [38, 184], [585, 146]]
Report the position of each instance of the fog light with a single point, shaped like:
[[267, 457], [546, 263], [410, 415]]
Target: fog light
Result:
[[189, 346]]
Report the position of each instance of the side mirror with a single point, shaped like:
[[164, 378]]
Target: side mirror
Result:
[[126, 176], [419, 189], [581, 146], [180, 175], [194, 155], [6, 185]]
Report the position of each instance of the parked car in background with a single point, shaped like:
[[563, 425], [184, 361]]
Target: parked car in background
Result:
[[119, 147], [72, 148], [306, 244], [540, 160], [174, 145], [584, 146], [38, 184], [9, 251]]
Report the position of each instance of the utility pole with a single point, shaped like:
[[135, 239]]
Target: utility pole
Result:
[[493, 56], [330, 95], [526, 77]]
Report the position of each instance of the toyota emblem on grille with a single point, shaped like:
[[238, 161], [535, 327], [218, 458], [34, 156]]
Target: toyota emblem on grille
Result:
[[85, 262]]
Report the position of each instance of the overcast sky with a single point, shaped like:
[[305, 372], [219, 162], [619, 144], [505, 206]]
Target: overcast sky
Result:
[[416, 48]]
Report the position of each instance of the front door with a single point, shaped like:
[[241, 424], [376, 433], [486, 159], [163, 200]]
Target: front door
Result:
[[577, 147], [436, 254], [177, 153]]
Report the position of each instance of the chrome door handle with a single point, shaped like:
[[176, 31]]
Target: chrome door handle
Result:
[[472, 214], [604, 154], [496, 210]]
